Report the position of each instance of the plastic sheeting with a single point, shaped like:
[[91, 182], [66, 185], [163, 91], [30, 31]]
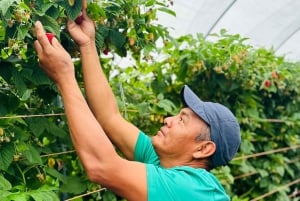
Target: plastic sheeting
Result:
[[267, 23]]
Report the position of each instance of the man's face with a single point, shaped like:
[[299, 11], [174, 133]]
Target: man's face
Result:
[[177, 137]]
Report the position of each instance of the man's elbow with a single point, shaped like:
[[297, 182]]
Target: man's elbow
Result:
[[101, 173]]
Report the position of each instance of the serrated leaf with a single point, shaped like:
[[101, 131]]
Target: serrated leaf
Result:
[[166, 105], [53, 12], [100, 35], [50, 25], [150, 3], [117, 39], [21, 147], [41, 7], [95, 11], [26, 95], [6, 155], [4, 184], [109, 196], [19, 82], [32, 155], [73, 185], [55, 130], [40, 195], [20, 196], [168, 11], [36, 75], [56, 174], [4, 195], [5, 4], [2, 31], [22, 32], [72, 11], [38, 125]]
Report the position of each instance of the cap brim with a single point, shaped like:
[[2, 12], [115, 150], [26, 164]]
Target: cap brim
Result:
[[191, 100]]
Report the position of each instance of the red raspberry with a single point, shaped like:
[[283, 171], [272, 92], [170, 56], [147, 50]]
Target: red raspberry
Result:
[[50, 36], [79, 19]]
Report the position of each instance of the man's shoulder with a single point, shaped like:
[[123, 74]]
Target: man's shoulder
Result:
[[185, 182]]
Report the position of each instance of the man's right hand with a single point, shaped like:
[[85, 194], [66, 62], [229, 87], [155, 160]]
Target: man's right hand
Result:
[[83, 33]]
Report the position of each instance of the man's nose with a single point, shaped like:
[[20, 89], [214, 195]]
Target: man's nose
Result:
[[168, 121]]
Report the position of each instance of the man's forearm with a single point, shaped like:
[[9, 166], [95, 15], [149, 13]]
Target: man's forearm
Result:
[[103, 104], [89, 139], [99, 94]]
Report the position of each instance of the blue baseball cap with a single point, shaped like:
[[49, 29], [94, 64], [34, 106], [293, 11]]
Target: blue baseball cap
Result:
[[224, 127]]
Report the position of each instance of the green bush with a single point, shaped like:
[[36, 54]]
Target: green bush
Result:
[[37, 160]]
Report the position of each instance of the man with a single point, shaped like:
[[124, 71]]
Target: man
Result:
[[173, 165]]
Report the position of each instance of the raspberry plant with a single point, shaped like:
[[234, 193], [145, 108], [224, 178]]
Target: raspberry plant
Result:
[[37, 160]]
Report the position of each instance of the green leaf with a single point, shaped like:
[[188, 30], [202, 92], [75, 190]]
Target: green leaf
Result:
[[7, 152], [99, 39], [109, 196], [19, 82], [38, 125], [4, 195], [168, 11], [117, 39], [73, 185], [26, 95], [50, 25], [32, 155], [2, 31], [56, 174], [4, 184], [55, 130], [35, 74], [150, 3], [280, 170], [41, 195], [22, 32], [167, 105], [20, 196], [53, 12], [72, 11], [41, 7], [95, 11], [5, 4]]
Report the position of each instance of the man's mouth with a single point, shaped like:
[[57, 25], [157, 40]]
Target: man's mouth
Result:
[[160, 132]]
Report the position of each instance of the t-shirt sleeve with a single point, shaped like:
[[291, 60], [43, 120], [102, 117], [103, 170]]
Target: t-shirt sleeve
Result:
[[144, 151]]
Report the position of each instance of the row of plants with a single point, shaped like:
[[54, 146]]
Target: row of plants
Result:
[[37, 159]]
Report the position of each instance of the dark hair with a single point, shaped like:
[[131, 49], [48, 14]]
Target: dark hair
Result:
[[205, 136]]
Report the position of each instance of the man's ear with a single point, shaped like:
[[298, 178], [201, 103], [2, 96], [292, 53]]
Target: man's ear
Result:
[[205, 150]]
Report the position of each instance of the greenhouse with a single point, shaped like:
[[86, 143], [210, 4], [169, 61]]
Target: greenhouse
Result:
[[149, 100], [269, 24]]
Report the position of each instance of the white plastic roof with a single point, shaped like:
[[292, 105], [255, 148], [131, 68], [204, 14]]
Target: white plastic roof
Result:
[[267, 23]]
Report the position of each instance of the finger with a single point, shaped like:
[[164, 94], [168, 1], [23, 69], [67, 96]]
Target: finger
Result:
[[41, 35], [84, 4], [56, 43], [38, 48], [84, 9]]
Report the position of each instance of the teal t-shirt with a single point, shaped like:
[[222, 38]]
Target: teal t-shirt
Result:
[[182, 183]]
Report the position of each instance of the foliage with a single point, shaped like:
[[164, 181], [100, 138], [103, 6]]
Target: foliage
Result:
[[37, 161]]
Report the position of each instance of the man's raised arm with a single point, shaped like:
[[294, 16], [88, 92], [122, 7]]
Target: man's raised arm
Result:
[[100, 97]]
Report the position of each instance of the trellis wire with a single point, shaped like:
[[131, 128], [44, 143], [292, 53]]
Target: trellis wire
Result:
[[294, 194], [276, 190], [253, 173], [86, 194], [124, 103], [267, 152], [237, 158]]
